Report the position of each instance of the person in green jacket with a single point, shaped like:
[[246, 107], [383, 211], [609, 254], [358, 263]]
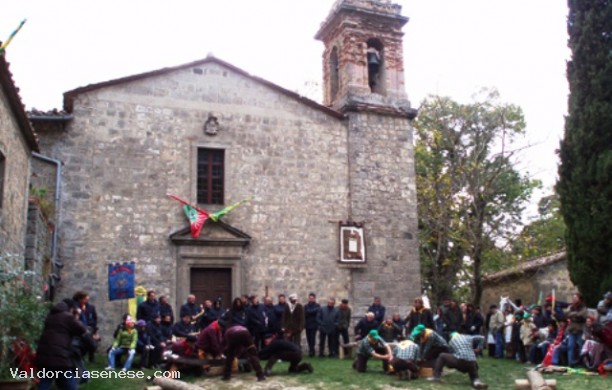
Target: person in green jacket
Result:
[[125, 342]]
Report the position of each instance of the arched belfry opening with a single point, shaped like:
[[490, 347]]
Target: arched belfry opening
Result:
[[375, 58], [334, 77]]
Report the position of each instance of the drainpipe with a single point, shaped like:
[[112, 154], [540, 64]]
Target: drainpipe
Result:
[[56, 264]]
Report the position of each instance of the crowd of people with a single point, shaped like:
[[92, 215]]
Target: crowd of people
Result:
[[453, 335]]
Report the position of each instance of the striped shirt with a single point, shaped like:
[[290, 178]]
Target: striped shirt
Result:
[[367, 349], [406, 351], [463, 346]]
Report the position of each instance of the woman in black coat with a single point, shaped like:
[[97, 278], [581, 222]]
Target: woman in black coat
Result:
[[55, 346]]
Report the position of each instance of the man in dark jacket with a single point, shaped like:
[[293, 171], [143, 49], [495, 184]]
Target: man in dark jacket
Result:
[[378, 309], [165, 309], [311, 311], [327, 319], [149, 308], [273, 326], [55, 346], [365, 325], [279, 309], [453, 319], [344, 322], [256, 320], [419, 315], [184, 328], [284, 350], [158, 340]]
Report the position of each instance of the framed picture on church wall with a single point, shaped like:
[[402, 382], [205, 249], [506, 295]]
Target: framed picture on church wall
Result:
[[352, 244]]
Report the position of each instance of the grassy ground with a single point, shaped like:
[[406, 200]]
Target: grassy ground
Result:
[[333, 374]]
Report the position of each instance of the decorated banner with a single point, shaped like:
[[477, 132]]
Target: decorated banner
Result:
[[197, 216], [121, 280], [141, 296]]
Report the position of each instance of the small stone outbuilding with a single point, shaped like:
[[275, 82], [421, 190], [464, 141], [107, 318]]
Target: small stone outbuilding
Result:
[[526, 280]]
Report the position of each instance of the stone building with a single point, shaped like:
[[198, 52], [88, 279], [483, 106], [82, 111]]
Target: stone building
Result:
[[17, 142], [213, 134], [529, 278]]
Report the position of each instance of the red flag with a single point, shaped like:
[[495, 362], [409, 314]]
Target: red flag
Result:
[[196, 216]]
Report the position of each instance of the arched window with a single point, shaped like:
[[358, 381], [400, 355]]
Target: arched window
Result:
[[334, 79], [376, 65]]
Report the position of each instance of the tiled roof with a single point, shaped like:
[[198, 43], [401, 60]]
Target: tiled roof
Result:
[[16, 105], [54, 114], [527, 266]]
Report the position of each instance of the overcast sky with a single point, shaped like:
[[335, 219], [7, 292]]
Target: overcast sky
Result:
[[451, 48]]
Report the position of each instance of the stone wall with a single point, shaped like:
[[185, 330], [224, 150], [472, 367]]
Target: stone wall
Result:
[[38, 245], [16, 177], [383, 195], [527, 286]]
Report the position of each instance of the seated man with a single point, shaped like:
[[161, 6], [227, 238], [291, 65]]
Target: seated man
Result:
[[404, 359], [431, 344], [157, 339], [463, 358], [365, 325], [372, 346], [389, 330], [277, 349], [184, 327], [125, 342]]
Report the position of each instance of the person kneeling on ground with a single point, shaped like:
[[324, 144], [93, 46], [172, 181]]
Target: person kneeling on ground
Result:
[[277, 349], [404, 359], [463, 358], [372, 346], [238, 339], [431, 344]]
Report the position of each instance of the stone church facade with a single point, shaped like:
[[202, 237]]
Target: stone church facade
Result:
[[213, 134]]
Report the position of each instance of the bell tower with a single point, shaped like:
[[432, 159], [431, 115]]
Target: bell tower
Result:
[[363, 59], [363, 73]]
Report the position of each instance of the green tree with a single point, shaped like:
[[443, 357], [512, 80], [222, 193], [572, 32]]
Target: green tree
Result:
[[585, 173], [545, 234], [470, 197]]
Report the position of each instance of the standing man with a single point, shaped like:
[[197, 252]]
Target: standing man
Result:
[[148, 309], [344, 322], [272, 326], [256, 320], [311, 311], [378, 309], [279, 309], [496, 328], [327, 319], [419, 315], [453, 319], [293, 320], [463, 358]]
